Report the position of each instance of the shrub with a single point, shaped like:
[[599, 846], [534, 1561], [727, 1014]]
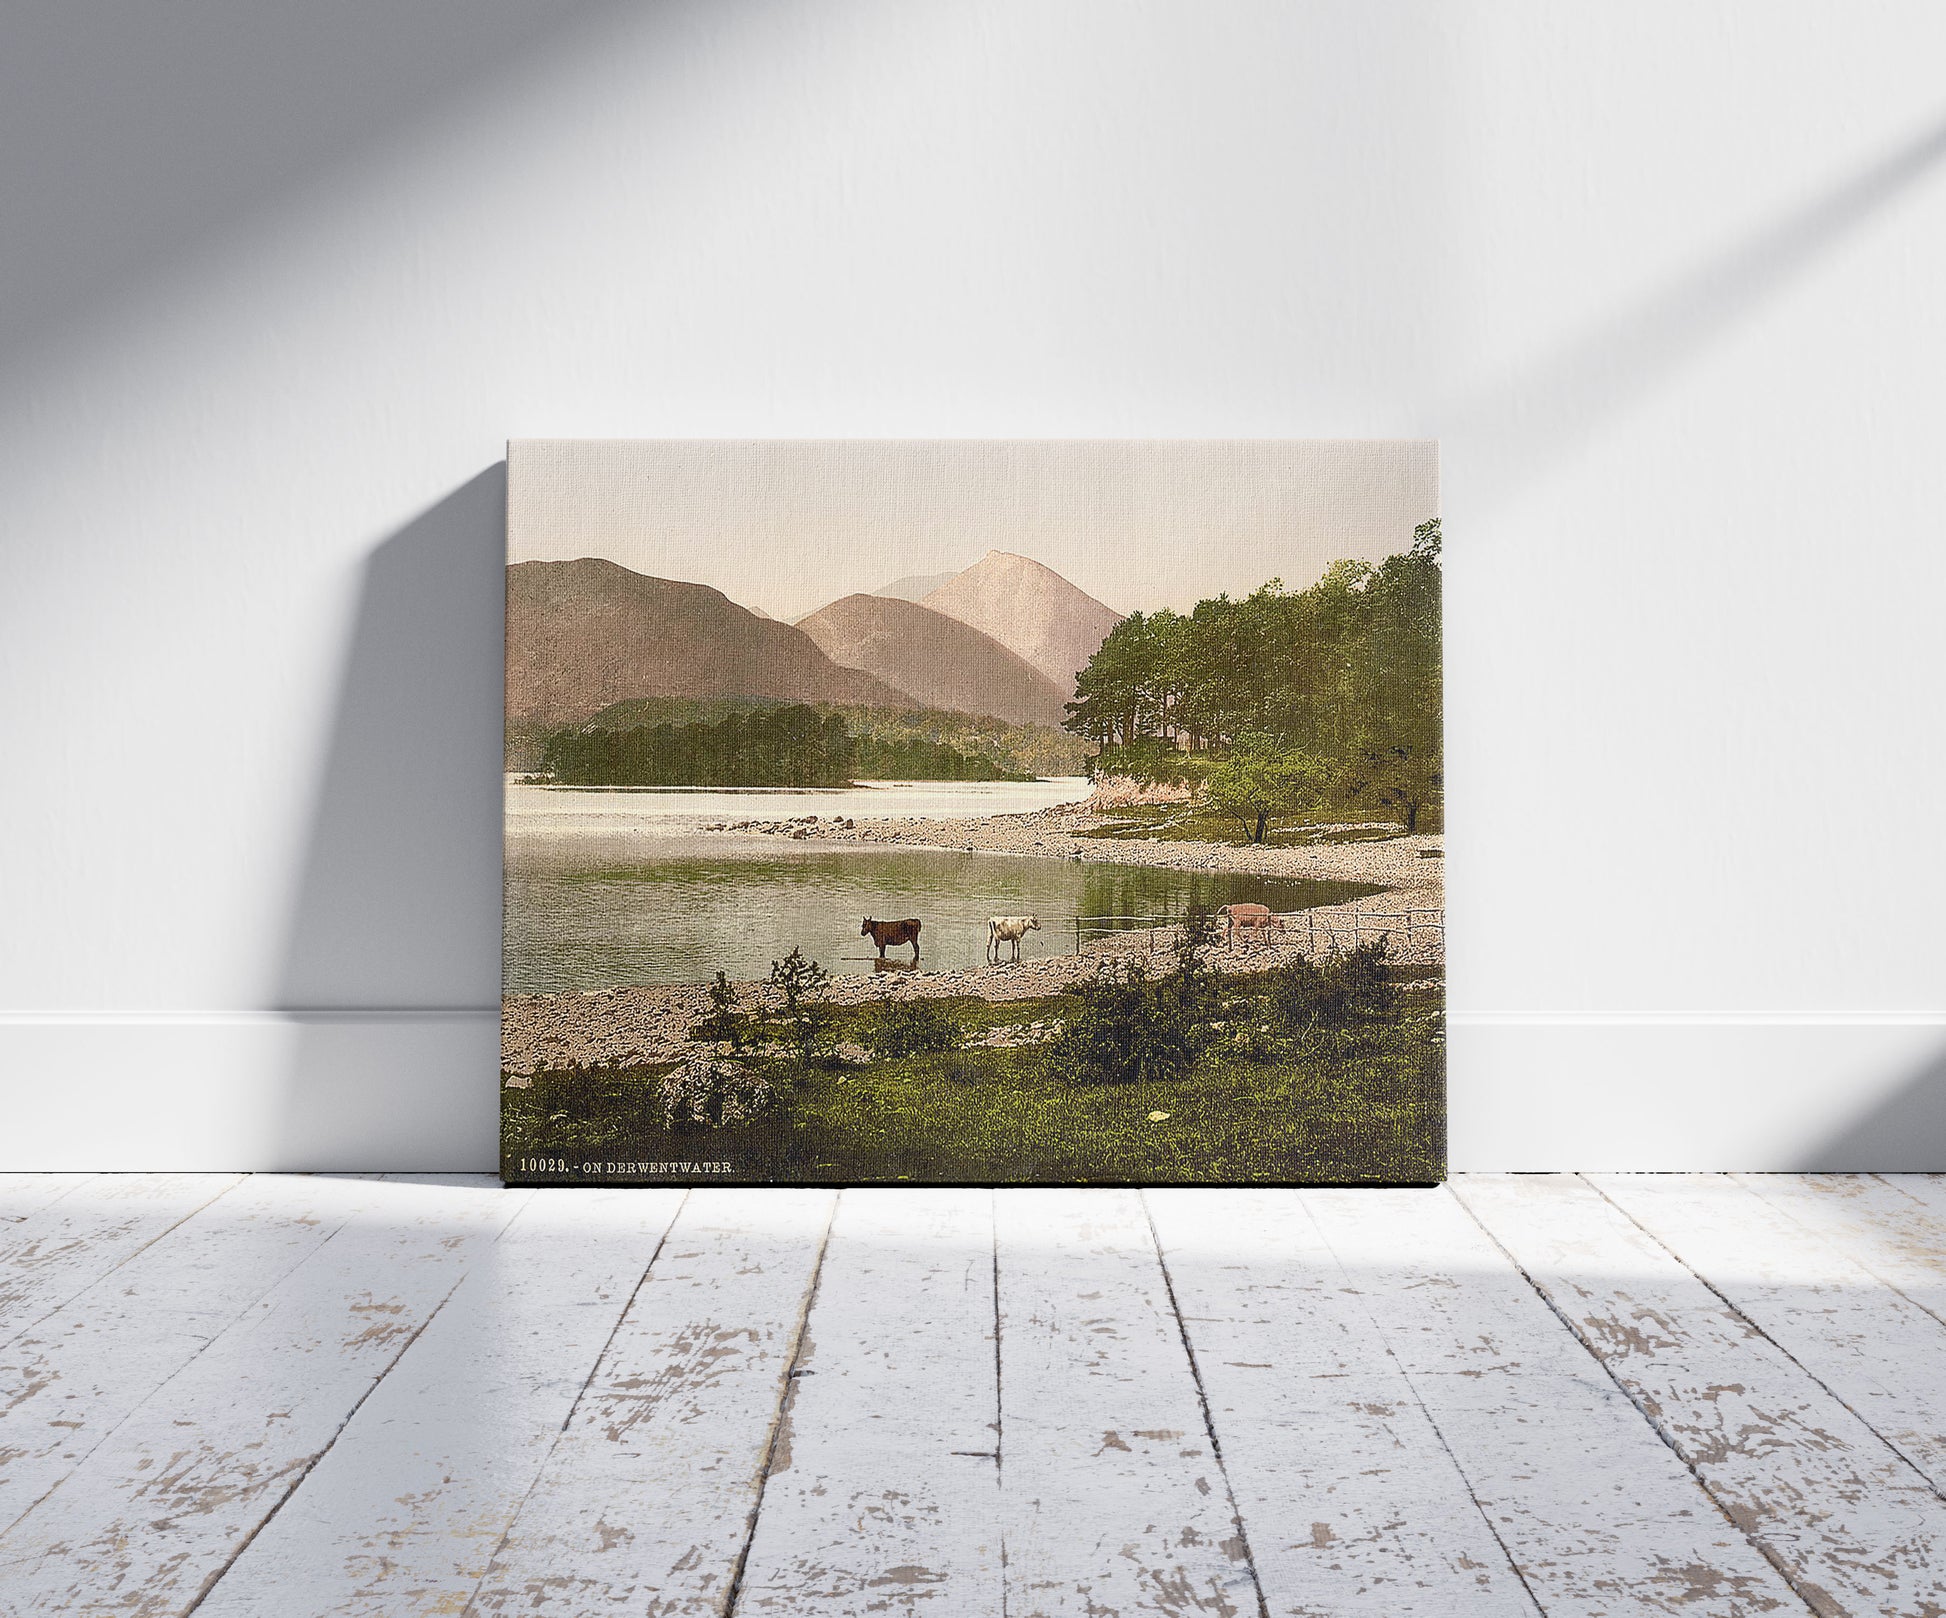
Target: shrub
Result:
[[1133, 1028], [1198, 939], [725, 1023], [1126, 1028], [1338, 991], [1247, 1032], [806, 1023], [914, 1028], [707, 1092]]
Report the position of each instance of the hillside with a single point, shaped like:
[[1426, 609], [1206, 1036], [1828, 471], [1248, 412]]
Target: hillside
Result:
[[1031, 610], [1027, 749], [936, 659], [584, 634]]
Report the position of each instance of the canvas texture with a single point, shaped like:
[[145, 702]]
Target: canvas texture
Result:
[[1033, 812]]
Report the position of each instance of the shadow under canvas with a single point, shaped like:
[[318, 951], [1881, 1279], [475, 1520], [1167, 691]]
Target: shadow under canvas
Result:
[[391, 969]]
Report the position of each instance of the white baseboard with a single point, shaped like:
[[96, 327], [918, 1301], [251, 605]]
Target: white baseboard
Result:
[[250, 1090], [416, 1090], [1685, 1092]]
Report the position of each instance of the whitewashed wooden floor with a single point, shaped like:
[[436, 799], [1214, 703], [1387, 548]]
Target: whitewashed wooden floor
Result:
[[1562, 1395]]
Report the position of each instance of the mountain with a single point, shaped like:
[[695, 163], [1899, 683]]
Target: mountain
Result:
[[914, 587], [1031, 610], [583, 634], [939, 660]]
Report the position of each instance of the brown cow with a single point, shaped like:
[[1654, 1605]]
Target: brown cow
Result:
[[886, 933]]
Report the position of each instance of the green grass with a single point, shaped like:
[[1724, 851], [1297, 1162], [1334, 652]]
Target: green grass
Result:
[[1192, 823], [1360, 1104]]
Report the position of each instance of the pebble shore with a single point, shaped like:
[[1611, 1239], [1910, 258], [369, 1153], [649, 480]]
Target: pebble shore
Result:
[[624, 1027]]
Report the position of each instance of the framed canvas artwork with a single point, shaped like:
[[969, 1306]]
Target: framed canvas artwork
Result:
[[1031, 812]]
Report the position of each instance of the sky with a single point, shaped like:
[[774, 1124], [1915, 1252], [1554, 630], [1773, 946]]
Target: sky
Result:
[[786, 525]]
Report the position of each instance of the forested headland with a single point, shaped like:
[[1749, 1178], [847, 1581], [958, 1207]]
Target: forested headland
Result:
[[790, 746], [1283, 702], [1015, 748]]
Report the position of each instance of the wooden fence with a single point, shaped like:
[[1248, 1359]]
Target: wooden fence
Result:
[[1344, 930]]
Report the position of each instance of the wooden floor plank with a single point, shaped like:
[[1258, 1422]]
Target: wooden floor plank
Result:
[[884, 1496], [60, 1249], [1928, 1189], [1599, 1516], [72, 1378], [403, 1514], [23, 1194], [1876, 1350], [154, 1514], [1113, 1498], [1355, 1401], [1894, 1224], [645, 1503], [1350, 1501], [1853, 1525]]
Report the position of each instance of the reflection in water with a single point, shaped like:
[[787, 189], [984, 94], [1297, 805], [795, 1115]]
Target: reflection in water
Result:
[[597, 912]]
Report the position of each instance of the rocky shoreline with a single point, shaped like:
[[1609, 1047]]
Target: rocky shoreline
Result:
[[624, 1027], [1403, 864]]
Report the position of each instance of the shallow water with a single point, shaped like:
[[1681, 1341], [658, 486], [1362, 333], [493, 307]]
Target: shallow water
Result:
[[672, 906]]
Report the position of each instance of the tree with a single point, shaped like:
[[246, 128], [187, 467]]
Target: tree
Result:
[[1116, 696], [1397, 755], [1402, 777], [725, 1021], [1258, 780]]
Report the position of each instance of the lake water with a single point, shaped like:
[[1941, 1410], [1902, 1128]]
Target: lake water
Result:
[[606, 889], [668, 811]]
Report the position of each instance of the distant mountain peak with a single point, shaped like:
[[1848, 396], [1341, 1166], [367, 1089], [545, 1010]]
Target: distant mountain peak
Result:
[[913, 587], [1030, 609], [937, 659]]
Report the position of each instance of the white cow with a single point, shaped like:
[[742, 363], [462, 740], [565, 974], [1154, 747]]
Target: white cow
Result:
[[1008, 930]]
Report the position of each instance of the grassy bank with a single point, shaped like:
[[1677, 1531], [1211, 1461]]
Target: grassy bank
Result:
[[1197, 823], [1349, 1103]]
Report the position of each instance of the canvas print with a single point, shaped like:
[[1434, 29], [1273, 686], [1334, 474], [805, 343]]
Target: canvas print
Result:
[[985, 813]]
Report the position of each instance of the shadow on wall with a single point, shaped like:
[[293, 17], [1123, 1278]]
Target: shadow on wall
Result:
[[1522, 428], [177, 125], [1905, 1133], [391, 968]]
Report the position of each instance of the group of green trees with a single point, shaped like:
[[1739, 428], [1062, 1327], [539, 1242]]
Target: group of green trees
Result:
[[774, 747], [1027, 749], [794, 746], [1284, 701], [914, 758]]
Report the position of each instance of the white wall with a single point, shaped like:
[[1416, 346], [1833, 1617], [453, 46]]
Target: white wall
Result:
[[280, 281]]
